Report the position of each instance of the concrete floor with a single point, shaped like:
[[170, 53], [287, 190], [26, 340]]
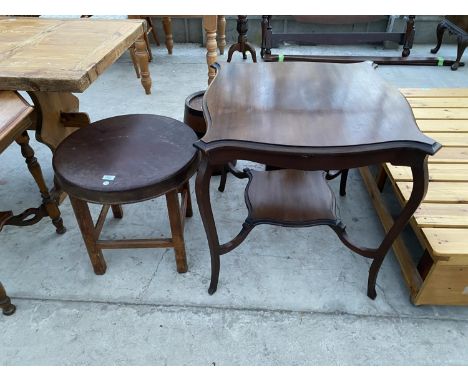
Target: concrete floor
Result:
[[285, 297]]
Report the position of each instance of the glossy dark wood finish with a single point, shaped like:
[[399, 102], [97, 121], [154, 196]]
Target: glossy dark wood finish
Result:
[[147, 154], [308, 201], [458, 26], [127, 159], [310, 107], [306, 117]]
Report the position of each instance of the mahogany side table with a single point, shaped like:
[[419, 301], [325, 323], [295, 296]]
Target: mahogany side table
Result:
[[305, 118]]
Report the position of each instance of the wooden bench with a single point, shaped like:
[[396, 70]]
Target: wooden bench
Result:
[[440, 275]]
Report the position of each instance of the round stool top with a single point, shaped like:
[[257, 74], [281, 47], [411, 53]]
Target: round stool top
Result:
[[126, 159]]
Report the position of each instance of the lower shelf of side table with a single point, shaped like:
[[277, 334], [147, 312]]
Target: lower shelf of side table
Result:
[[289, 198]]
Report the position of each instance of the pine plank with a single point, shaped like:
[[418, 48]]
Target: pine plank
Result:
[[437, 102], [434, 92], [450, 139], [438, 192], [39, 54], [437, 125], [438, 172], [433, 215], [447, 242], [440, 113], [450, 155]]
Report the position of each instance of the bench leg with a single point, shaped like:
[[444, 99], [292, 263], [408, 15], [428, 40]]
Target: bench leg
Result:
[[85, 222], [173, 208], [441, 28], [35, 169], [462, 44]]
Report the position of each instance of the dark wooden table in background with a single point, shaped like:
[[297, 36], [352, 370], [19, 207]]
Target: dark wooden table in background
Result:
[[305, 118]]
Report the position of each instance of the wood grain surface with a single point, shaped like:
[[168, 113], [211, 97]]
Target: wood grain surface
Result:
[[38, 54]]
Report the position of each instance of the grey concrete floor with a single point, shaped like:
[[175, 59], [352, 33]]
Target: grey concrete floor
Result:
[[286, 296]]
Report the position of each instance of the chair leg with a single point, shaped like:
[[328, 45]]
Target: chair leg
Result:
[[34, 168], [173, 208], [85, 222], [167, 25], [343, 181], [153, 31], [5, 303]]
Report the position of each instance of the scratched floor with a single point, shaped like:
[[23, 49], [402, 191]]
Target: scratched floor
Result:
[[285, 297]]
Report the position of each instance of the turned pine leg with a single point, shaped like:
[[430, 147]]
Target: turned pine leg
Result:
[[209, 25], [35, 169], [167, 25], [221, 32], [134, 60], [142, 57]]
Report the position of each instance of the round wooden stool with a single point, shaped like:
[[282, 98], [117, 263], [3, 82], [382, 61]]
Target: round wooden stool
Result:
[[128, 159]]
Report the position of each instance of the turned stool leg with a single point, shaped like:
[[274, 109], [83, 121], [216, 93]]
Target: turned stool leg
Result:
[[35, 169], [117, 211], [188, 211], [5, 303], [173, 208], [85, 222]]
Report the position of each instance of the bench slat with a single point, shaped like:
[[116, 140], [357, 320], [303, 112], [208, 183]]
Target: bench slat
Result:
[[450, 155], [438, 192], [448, 242], [450, 139], [432, 215], [435, 92], [437, 125], [438, 102], [440, 113], [438, 172]]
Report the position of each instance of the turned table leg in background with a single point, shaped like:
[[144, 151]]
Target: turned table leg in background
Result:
[[221, 32], [141, 54], [210, 25], [242, 45], [167, 25]]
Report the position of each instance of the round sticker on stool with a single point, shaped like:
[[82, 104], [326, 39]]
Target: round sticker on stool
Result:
[[105, 183]]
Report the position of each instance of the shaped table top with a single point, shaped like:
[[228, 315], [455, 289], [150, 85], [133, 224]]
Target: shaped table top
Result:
[[321, 106], [39, 54]]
